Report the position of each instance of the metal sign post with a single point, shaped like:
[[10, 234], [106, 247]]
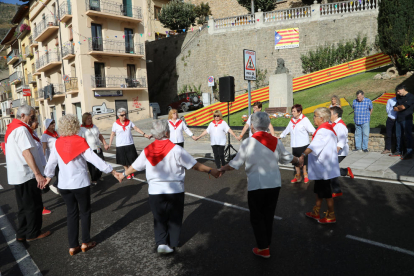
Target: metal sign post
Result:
[[211, 84], [249, 62]]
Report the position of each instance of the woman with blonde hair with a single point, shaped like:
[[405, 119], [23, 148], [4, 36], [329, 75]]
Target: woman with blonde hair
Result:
[[218, 129], [335, 101], [177, 127]]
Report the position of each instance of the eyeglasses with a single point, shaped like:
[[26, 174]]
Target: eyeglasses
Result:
[[316, 116], [216, 116], [122, 115]]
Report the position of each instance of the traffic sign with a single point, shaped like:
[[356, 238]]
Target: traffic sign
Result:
[[211, 81], [26, 92], [65, 77], [249, 60]]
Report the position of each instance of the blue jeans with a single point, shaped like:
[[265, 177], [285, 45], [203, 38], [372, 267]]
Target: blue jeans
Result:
[[406, 127], [361, 136]]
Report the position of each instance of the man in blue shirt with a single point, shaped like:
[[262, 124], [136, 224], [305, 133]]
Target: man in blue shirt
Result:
[[362, 116], [389, 125]]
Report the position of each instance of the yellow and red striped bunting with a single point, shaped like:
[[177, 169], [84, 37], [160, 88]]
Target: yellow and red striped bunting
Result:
[[384, 98]]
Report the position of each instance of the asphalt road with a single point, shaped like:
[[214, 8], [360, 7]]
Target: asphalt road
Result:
[[218, 239]]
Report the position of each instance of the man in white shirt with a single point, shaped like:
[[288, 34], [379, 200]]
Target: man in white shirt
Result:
[[389, 125], [25, 172], [257, 107]]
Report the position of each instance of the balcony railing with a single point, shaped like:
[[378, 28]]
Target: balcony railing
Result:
[[18, 102], [234, 21], [16, 77], [31, 78], [71, 85], [46, 22], [9, 111], [118, 82], [28, 52], [115, 46], [13, 56], [68, 49], [349, 7], [114, 8], [65, 10], [40, 93], [47, 58]]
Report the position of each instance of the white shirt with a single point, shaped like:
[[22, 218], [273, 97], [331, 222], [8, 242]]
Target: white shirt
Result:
[[123, 138], [218, 133], [91, 136], [300, 133], [249, 123], [167, 177], [323, 160], [390, 108], [50, 144], [18, 171], [342, 134], [75, 174], [39, 146], [176, 134], [262, 167]]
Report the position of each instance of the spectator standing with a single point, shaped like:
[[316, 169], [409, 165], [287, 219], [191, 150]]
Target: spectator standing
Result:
[[362, 116], [404, 108], [335, 101], [392, 116]]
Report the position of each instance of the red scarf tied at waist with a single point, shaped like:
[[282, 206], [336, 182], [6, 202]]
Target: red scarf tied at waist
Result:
[[15, 124], [177, 123], [297, 121], [69, 147], [157, 150], [126, 123], [88, 126], [325, 125], [54, 135], [217, 123], [266, 140], [339, 122]]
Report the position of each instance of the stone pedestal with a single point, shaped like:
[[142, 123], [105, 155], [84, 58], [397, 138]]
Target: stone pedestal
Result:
[[281, 91]]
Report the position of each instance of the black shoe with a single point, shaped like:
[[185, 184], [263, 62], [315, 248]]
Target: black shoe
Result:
[[407, 157], [365, 150]]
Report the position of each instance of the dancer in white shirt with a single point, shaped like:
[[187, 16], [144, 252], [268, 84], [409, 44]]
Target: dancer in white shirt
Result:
[[299, 128], [48, 139], [177, 127], [257, 107], [323, 164]]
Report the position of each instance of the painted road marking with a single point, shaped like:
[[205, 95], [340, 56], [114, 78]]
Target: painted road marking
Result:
[[109, 155], [395, 248]]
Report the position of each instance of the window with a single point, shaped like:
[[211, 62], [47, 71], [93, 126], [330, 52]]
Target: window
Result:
[[131, 71], [100, 74], [70, 34], [157, 11]]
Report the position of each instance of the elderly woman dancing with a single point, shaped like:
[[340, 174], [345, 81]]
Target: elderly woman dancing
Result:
[[71, 153], [165, 165], [177, 127], [261, 153]]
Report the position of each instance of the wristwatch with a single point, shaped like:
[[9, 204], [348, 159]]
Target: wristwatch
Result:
[[124, 174], [304, 154]]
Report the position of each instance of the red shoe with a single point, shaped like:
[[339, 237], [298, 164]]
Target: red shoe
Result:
[[329, 218], [336, 194], [314, 214], [298, 178], [350, 174], [129, 177], [265, 253], [46, 212], [306, 180], [132, 175]]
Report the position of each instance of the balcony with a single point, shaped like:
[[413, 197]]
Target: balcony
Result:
[[68, 51], [32, 43], [16, 78], [113, 10], [65, 11], [31, 79], [28, 52], [24, 28], [13, 56], [40, 94], [118, 83], [71, 86], [48, 61], [45, 28], [54, 89], [111, 47], [18, 102]]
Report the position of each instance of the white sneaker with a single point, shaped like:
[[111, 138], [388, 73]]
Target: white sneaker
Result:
[[164, 249], [54, 189]]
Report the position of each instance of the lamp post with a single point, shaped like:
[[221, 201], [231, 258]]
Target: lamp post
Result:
[[252, 7]]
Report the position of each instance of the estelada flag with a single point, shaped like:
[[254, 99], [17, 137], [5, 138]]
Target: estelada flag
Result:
[[287, 38]]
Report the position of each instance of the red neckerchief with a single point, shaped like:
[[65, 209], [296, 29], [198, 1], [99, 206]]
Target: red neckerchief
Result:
[[157, 150], [54, 135], [87, 126], [339, 122], [177, 123], [69, 147], [123, 125], [15, 124], [266, 140], [325, 125], [297, 122], [217, 123]]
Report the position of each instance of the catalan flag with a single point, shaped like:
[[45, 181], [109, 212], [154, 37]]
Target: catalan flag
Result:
[[384, 98], [287, 38]]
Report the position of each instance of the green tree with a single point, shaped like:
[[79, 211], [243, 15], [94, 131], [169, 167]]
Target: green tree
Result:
[[264, 5], [177, 15], [396, 31], [202, 11]]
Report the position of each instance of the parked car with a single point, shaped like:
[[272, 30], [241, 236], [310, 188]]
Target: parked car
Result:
[[186, 101]]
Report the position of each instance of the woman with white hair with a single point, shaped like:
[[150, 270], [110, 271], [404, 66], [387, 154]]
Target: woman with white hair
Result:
[[261, 154], [177, 127], [71, 153], [48, 139], [323, 164], [165, 165], [126, 153]]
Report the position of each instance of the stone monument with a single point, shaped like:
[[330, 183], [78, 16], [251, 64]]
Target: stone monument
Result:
[[280, 89]]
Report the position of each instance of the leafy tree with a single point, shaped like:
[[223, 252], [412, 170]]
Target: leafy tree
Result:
[[264, 5], [177, 15], [202, 11], [396, 32]]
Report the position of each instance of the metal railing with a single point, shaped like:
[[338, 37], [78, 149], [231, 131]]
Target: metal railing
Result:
[[58, 88], [47, 58], [16, 76], [288, 14], [45, 23], [68, 49], [31, 78], [13, 53], [8, 111], [18, 102], [349, 7], [28, 51], [40, 93], [117, 46], [117, 82], [234, 21], [31, 41], [71, 84], [65, 8], [115, 8]]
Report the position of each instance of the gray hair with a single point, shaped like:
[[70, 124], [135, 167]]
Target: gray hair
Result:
[[160, 129], [24, 109], [120, 110], [324, 113], [360, 92], [260, 121]]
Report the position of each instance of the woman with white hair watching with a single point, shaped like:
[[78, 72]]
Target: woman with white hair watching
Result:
[[71, 153], [126, 153], [261, 154], [165, 165], [48, 139], [323, 164]]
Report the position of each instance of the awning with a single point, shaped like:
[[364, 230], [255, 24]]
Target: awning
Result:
[[9, 37]]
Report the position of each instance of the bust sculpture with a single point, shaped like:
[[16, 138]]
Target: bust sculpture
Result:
[[281, 69]]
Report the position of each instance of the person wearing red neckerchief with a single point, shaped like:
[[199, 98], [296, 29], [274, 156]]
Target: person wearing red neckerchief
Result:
[[257, 107], [323, 164], [261, 155], [177, 127], [299, 128], [48, 139], [218, 130]]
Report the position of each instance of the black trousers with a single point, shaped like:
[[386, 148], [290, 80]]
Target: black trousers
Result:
[[389, 125], [30, 205], [180, 144], [336, 189], [57, 176], [168, 210], [262, 205], [218, 152], [95, 173], [78, 200]]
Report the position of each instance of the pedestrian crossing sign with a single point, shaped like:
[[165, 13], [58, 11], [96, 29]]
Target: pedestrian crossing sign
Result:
[[249, 58]]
